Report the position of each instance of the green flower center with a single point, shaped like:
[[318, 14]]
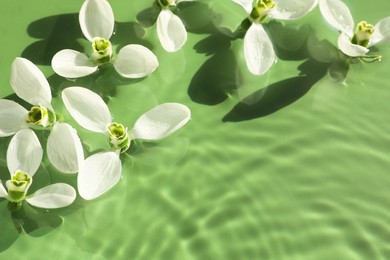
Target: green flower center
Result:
[[167, 3], [18, 186], [261, 10], [102, 50], [39, 115], [363, 34], [119, 138]]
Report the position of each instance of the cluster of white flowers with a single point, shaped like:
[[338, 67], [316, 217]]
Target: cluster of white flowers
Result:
[[101, 171], [258, 48]]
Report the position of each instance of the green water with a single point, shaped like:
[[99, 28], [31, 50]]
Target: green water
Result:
[[297, 170]]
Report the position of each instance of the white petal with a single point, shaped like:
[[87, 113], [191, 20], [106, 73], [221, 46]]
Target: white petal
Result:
[[246, 4], [135, 61], [96, 19], [87, 108], [3, 192], [289, 10], [258, 50], [24, 152], [350, 49], [99, 173], [54, 196], [29, 83], [72, 64], [170, 31], [161, 121], [337, 14], [381, 33], [12, 117], [64, 148]]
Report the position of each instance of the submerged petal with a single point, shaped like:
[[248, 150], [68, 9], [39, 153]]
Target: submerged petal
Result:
[[161, 121], [12, 117], [99, 173], [170, 31], [54, 196], [72, 64], [337, 14], [29, 83], [64, 148], [3, 192], [96, 19], [24, 152], [258, 50], [381, 33], [87, 108], [135, 61], [350, 49], [289, 10]]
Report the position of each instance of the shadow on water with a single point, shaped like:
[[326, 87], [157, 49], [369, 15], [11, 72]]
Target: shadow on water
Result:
[[278, 95], [56, 33], [319, 58], [217, 77], [129, 33], [26, 220], [148, 16]]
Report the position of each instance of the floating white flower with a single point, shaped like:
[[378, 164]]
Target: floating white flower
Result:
[[258, 50], [354, 43], [170, 29], [101, 171], [24, 155], [64, 147], [97, 24]]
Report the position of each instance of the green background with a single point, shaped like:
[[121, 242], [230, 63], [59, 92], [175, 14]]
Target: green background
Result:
[[289, 165]]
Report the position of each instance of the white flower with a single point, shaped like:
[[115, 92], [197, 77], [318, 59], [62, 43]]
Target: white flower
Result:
[[24, 155], [170, 29], [64, 147], [97, 24], [258, 50], [101, 171], [350, 42]]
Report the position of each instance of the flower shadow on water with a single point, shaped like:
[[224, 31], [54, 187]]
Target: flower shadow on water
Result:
[[320, 58], [217, 77], [25, 221], [55, 33]]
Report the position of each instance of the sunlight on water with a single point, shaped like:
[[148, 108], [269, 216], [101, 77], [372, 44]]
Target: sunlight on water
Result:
[[290, 165]]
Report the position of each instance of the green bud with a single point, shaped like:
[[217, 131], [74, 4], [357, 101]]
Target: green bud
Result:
[[18, 186], [261, 10], [167, 3], [102, 50], [119, 138], [39, 115], [363, 34]]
